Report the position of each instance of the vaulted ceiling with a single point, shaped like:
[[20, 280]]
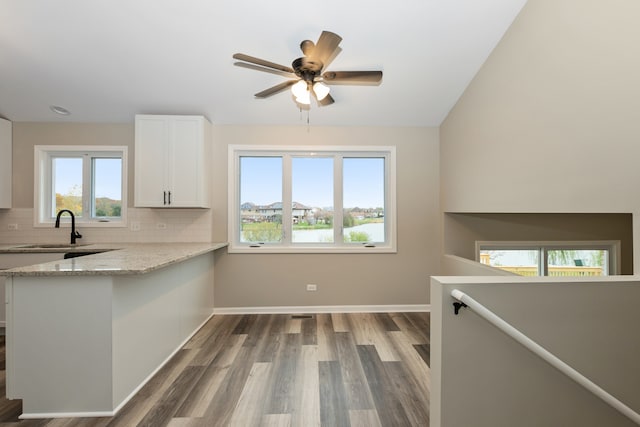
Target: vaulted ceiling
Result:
[[107, 60]]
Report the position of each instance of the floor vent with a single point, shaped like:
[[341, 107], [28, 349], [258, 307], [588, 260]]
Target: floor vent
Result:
[[302, 316]]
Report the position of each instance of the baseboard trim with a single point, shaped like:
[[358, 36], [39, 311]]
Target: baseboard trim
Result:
[[308, 309], [66, 415]]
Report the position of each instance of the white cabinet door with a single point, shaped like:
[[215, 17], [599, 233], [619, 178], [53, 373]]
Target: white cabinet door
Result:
[[151, 153], [187, 161], [5, 164], [172, 158]]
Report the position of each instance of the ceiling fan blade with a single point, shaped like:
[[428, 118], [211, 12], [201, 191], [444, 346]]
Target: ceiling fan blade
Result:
[[262, 62], [264, 69], [327, 100], [349, 77], [275, 89], [326, 47]]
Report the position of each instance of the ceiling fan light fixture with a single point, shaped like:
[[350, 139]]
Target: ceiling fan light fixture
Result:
[[300, 89], [304, 98], [321, 90]]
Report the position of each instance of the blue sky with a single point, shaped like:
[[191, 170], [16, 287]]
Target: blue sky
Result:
[[261, 181], [68, 173]]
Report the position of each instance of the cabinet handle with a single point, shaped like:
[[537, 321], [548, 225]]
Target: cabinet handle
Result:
[[169, 197], [164, 197]]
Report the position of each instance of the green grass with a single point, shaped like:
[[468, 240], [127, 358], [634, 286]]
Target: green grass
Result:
[[306, 226]]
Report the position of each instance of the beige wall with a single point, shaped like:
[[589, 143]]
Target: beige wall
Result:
[[181, 224], [270, 280], [248, 280], [27, 135], [551, 123], [463, 230]]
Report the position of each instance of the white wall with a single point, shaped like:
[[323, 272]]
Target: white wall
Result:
[[452, 265]]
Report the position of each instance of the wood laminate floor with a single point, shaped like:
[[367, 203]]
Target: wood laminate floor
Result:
[[281, 370]]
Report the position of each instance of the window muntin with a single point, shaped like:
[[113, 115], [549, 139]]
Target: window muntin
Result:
[[90, 181], [311, 189], [559, 259]]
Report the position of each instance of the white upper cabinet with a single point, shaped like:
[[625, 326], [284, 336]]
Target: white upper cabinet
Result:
[[5, 164], [172, 161]]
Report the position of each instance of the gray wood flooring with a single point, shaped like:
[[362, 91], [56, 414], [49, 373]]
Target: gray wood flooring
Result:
[[281, 370]]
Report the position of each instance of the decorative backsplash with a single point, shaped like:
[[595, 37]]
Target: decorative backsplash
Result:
[[155, 225]]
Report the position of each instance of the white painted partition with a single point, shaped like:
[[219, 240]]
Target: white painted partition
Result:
[[452, 265], [82, 346], [482, 377]]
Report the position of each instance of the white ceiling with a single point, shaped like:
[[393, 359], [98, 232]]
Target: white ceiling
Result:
[[107, 60]]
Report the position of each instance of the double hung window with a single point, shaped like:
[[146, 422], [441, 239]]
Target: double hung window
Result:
[[312, 199], [90, 181]]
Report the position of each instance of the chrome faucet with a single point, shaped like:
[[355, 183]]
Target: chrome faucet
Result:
[[74, 234]]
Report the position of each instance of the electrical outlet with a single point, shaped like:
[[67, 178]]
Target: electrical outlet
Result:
[[12, 227], [161, 226], [312, 287], [135, 225]]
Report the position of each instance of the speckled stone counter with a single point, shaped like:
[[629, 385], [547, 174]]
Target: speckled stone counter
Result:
[[111, 259]]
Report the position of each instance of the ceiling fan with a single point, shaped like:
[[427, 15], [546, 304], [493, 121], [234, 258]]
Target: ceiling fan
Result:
[[306, 73]]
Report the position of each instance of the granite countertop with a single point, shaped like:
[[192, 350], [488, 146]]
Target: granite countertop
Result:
[[112, 259]]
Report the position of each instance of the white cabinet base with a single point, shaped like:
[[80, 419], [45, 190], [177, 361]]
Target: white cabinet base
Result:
[[8, 261], [82, 346]]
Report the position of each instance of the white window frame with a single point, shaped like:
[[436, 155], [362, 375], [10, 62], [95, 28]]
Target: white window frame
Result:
[[613, 246], [43, 155], [286, 246]]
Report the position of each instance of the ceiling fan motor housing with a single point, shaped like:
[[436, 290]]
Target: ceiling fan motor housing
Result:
[[307, 69]]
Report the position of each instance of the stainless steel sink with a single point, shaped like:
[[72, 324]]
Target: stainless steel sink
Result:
[[50, 246]]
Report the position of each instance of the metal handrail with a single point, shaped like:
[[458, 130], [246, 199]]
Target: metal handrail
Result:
[[543, 353]]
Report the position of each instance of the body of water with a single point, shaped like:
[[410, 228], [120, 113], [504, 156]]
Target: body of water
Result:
[[374, 230]]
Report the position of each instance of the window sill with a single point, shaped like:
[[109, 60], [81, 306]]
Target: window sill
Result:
[[265, 249]]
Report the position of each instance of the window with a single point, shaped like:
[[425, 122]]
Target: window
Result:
[[569, 259], [90, 181], [312, 199]]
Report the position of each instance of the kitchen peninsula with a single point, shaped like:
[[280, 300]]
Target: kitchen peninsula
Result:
[[85, 333]]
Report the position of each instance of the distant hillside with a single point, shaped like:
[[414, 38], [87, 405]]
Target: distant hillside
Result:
[[104, 205]]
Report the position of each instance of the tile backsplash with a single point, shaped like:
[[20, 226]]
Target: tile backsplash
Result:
[[156, 226]]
